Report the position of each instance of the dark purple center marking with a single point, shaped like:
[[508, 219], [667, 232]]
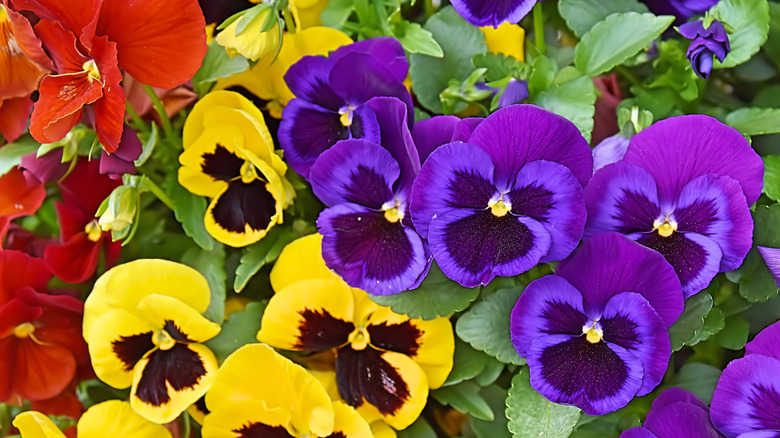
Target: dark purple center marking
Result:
[[687, 257], [577, 364], [635, 213], [180, 366], [260, 430], [401, 338], [698, 217], [221, 164], [534, 201], [243, 204], [562, 318], [365, 375], [131, 349], [320, 330], [622, 331], [368, 188], [469, 190], [175, 332]]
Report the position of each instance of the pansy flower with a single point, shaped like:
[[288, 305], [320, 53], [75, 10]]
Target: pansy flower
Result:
[[144, 328], [682, 188], [709, 43], [330, 96], [266, 79], [595, 333], [229, 157], [76, 258], [493, 12], [368, 238], [675, 413], [746, 402], [90, 40], [279, 400], [505, 200], [39, 336], [113, 418], [318, 312], [17, 199]]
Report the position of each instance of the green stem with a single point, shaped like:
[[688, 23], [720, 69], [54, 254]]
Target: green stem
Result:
[[292, 26], [381, 16], [160, 108], [137, 121], [539, 28], [157, 191]]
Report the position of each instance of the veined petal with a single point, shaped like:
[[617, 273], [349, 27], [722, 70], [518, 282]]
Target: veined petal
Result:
[[474, 246], [179, 320], [393, 117], [124, 286], [766, 342], [118, 341], [75, 260], [39, 371], [110, 109], [61, 100], [166, 382], [310, 315], [212, 160], [281, 384], [308, 80], [16, 197], [18, 270], [386, 50], [33, 424], [493, 12], [306, 131], [403, 391], [21, 74], [301, 260], [117, 419], [74, 15], [429, 134], [771, 257]]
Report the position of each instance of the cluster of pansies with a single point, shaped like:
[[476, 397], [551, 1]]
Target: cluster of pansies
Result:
[[354, 218]]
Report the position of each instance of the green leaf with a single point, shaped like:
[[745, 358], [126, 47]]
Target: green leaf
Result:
[[684, 330], [772, 46], [495, 396], [419, 429], [240, 329], [459, 41], [581, 15], [336, 13], [616, 39], [11, 154], [755, 121], [212, 265], [260, 254], [756, 283], [698, 378], [542, 75], [217, 64], [486, 325], [735, 334], [750, 20], [436, 296], [148, 146], [415, 39], [772, 177], [574, 99], [189, 210], [498, 66], [467, 363], [465, 397], [531, 415]]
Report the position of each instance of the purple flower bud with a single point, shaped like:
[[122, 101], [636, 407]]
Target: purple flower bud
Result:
[[707, 43]]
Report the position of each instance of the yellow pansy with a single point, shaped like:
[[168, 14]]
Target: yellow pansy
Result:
[[266, 79], [507, 39], [229, 157], [113, 418], [144, 329]]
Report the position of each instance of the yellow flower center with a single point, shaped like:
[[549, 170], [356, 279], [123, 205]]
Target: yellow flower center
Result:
[[346, 116], [393, 215], [665, 228], [3, 14], [359, 338], [593, 332], [498, 207], [248, 172], [24, 330], [93, 230], [162, 339], [92, 68]]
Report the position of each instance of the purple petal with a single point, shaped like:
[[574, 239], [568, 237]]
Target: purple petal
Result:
[[493, 12], [465, 128], [549, 305], [715, 207], [386, 49], [681, 420], [766, 342], [679, 149], [747, 396], [308, 80], [391, 114], [771, 257], [355, 171], [592, 270], [44, 169], [474, 246], [629, 320], [456, 175], [621, 197], [637, 432], [515, 92], [370, 252], [610, 150], [549, 193], [431, 133], [519, 134], [596, 377], [677, 395], [695, 258], [122, 161]]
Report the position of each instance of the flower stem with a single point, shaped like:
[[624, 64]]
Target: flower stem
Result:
[[157, 191], [539, 28], [158, 106]]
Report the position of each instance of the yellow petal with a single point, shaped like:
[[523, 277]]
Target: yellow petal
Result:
[[118, 342], [124, 286], [166, 382], [191, 174], [308, 315], [116, 419], [380, 429], [177, 318], [249, 418], [252, 43], [256, 137], [349, 423], [33, 424], [307, 12], [276, 381], [198, 410], [301, 259], [508, 39]]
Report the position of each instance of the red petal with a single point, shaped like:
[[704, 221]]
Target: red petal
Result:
[[72, 220], [73, 14], [160, 43], [19, 75], [75, 260], [18, 270], [66, 404], [61, 45], [41, 371], [110, 110], [14, 114], [16, 197], [16, 312], [87, 188], [7, 349]]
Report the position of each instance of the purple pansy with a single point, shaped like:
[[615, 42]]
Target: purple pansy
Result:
[[506, 199], [709, 43], [683, 188], [746, 402], [595, 333], [682, 9], [331, 93], [493, 12], [676, 413], [368, 237], [610, 150]]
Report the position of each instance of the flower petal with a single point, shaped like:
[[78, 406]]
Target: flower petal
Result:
[[17, 198], [392, 115], [14, 114], [117, 419], [74, 261], [246, 419], [33, 424], [431, 133], [243, 213], [74, 15], [38, 371], [387, 50], [110, 110], [306, 131], [118, 342], [180, 321], [18, 270], [771, 257], [300, 260], [493, 12]]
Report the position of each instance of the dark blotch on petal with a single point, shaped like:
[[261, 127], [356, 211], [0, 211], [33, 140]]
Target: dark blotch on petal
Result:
[[365, 375], [402, 338], [179, 366], [687, 257], [577, 364], [636, 213], [131, 349], [468, 189], [243, 204], [175, 332], [562, 318], [260, 430], [368, 188], [222, 164], [533, 201], [320, 331], [698, 217], [621, 330], [200, 405]]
